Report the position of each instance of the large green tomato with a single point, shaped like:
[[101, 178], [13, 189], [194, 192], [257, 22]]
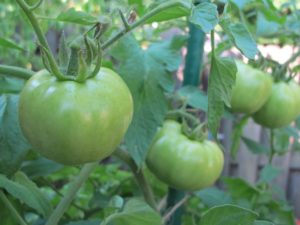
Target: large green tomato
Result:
[[183, 163], [282, 107], [74, 123], [251, 90]]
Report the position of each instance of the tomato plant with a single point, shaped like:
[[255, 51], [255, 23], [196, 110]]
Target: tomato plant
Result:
[[174, 158], [132, 112]]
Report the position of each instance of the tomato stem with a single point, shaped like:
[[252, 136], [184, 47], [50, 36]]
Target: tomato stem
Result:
[[273, 151], [33, 20], [74, 187], [143, 20], [212, 41], [139, 176], [17, 72], [168, 215], [12, 209], [184, 114]]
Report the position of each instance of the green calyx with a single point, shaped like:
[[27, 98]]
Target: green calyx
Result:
[[198, 133], [76, 63]]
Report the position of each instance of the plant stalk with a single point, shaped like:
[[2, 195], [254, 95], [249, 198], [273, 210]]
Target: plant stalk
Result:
[[17, 72], [12, 209], [139, 176], [74, 187], [33, 20], [138, 23]]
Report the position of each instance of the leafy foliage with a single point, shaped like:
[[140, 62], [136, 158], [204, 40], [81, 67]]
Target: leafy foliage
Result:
[[143, 71], [13, 146], [221, 80]]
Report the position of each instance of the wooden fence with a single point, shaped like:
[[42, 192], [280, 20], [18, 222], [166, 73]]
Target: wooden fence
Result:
[[247, 164]]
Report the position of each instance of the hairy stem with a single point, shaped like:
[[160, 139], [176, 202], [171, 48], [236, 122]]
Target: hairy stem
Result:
[[42, 40], [272, 153], [74, 187], [139, 176], [168, 215], [17, 72], [212, 41], [138, 23], [184, 114], [12, 209]]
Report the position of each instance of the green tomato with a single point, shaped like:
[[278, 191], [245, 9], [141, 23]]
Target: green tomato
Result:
[[183, 163], [74, 123], [293, 85], [251, 90], [281, 108]]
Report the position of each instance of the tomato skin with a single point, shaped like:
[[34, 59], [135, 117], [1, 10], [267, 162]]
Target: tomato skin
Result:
[[296, 88], [281, 108], [183, 163], [75, 123], [251, 90]]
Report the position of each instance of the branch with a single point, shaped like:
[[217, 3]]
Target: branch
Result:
[[184, 114], [74, 187], [17, 72], [167, 216], [140, 22], [14, 212], [139, 176], [33, 20]]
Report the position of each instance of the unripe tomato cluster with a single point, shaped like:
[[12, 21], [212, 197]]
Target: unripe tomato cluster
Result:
[[272, 105]]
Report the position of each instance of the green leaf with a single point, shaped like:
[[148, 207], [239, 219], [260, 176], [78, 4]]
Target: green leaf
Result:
[[138, 6], [78, 17], [179, 8], [13, 146], [272, 15], [241, 3], [240, 189], [85, 222], [263, 222], [5, 214], [266, 28], [213, 197], [281, 140], [135, 212], [6, 43], [296, 69], [195, 97], [143, 71], [279, 213], [236, 135], [27, 192], [255, 147], [10, 85], [268, 173], [241, 37], [40, 167], [168, 52], [220, 83], [205, 16], [228, 214], [63, 53]]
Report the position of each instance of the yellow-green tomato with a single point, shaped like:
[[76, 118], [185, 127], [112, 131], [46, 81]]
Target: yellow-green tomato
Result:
[[251, 90], [74, 123], [281, 108], [183, 163]]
